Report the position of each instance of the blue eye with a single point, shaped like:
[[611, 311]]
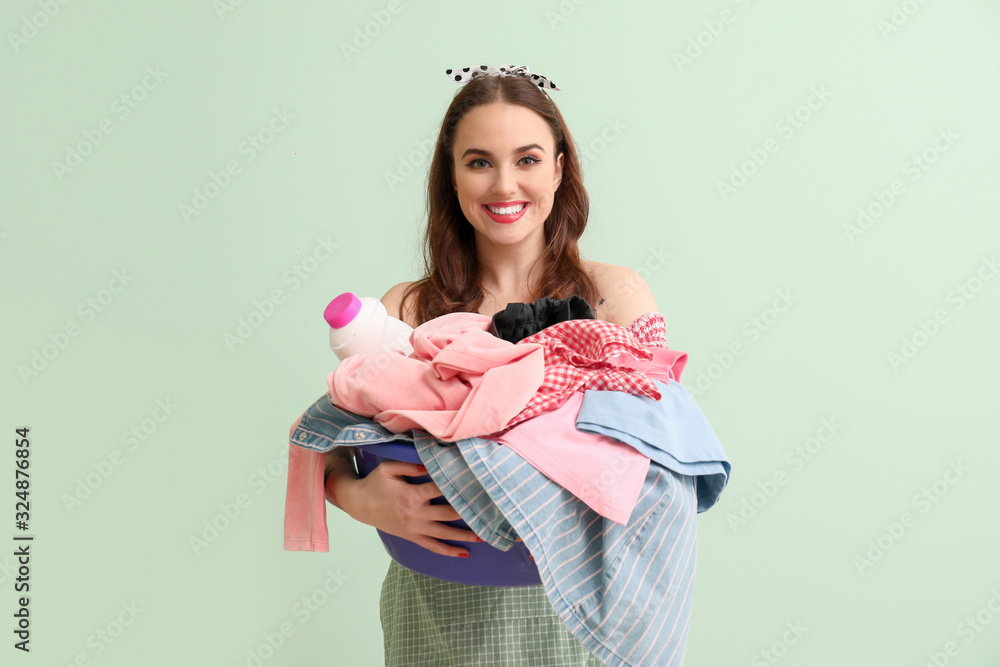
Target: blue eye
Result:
[[533, 162]]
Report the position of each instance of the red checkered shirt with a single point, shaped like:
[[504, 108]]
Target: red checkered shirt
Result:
[[576, 358]]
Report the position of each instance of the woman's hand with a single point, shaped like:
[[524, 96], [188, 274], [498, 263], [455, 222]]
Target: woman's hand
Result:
[[385, 500]]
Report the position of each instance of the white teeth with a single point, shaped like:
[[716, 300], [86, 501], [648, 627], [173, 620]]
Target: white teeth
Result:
[[506, 211]]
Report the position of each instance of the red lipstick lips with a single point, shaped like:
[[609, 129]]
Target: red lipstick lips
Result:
[[506, 219]]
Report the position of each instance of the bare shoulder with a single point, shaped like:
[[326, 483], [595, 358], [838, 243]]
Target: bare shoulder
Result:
[[392, 300], [625, 293]]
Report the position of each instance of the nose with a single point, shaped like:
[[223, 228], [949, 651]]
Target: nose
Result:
[[505, 181]]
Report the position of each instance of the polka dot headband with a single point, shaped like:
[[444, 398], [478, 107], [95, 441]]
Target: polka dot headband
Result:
[[463, 74]]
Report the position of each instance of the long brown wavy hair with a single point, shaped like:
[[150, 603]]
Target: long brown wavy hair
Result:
[[451, 282]]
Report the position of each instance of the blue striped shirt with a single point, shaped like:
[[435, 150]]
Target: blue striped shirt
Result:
[[625, 592]]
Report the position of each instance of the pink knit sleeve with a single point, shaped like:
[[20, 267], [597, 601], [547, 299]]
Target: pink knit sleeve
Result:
[[651, 330], [305, 499]]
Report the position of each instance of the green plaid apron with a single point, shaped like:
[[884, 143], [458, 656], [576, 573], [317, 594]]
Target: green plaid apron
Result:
[[428, 621]]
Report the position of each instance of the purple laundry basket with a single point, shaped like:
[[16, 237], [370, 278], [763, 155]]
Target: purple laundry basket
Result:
[[485, 566]]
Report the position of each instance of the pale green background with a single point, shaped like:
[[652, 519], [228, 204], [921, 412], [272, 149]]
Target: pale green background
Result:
[[654, 187]]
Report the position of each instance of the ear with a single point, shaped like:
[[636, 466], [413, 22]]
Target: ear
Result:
[[559, 171]]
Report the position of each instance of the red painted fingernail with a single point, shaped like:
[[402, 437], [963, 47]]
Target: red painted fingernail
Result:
[[463, 555], [479, 539]]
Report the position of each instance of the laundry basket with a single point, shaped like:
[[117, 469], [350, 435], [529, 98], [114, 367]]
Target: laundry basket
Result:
[[485, 566]]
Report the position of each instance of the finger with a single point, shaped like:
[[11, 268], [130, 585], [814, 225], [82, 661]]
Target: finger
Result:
[[403, 468], [442, 548], [445, 532], [428, 490], [440, 513]]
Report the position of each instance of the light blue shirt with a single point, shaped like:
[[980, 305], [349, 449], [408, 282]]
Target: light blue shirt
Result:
[[672, 431]]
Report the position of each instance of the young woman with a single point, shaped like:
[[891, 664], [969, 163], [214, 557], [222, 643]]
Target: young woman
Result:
[[506, 209]]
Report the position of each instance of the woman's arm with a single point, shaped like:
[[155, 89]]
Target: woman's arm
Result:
[[339, 464], [626, 294], [386, 500], [392, 300]]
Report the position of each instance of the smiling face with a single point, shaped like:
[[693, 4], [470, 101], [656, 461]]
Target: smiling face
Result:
[[506, 173]]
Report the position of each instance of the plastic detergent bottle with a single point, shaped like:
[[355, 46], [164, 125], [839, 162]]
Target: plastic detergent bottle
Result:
[[361, 325]]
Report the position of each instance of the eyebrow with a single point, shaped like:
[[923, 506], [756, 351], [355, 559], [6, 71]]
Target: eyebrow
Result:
[[480, 151]]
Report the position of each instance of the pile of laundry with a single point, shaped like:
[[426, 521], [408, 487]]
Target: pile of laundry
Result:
[[547, 424]]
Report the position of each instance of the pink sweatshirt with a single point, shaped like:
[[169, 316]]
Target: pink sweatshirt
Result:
[[460, 382]]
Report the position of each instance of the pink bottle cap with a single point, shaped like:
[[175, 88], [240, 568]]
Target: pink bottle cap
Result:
[[342, 310]]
